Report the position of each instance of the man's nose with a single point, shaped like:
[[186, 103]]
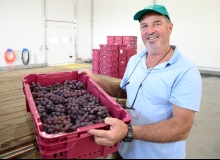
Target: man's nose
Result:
[[150, 30]]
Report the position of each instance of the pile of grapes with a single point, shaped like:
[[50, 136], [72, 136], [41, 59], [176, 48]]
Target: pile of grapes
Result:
[[66, 107]]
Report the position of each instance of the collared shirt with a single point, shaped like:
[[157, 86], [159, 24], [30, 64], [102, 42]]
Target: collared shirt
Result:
[[177, 82]]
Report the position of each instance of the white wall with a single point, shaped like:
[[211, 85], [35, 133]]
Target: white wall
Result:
[[21, 27], [115, 18], [196, 29], [83, 29]]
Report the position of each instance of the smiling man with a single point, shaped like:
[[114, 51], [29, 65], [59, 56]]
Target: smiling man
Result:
[[163, 90]]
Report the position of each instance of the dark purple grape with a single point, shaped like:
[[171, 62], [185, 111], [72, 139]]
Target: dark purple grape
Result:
[[67, 127], [50, 130]]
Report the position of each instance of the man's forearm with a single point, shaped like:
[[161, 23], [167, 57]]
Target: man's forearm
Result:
[[170, 130], [112, 88]]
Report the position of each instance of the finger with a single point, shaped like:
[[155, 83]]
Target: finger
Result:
[[97, 132], [81, 71], [103, 141], [109, 121], [94, 132], [102, 137]]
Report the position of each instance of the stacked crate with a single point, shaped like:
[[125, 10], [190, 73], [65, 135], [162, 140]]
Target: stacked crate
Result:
[[95, 61], [108, 60], [112, 58]]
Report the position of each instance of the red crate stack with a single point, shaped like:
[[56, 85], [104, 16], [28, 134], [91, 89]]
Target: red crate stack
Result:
[[107, 59], [113, 57], [118, 40], [110, 39], [95, 61]]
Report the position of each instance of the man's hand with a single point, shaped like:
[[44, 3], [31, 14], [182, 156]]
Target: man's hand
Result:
[[118, 130], [89, 72]]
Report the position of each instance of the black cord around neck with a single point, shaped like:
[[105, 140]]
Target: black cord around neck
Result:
[[155, 65], [125, 107], [145, 78]]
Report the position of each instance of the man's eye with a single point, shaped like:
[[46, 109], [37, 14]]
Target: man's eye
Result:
[[157, 24], [144, 26]]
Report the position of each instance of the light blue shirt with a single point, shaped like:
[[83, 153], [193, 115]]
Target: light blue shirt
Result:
[[177, 82]]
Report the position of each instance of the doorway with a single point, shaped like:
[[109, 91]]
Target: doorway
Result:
[[60, 31]]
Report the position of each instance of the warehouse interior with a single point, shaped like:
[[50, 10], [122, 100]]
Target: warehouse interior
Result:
[[48, 36]]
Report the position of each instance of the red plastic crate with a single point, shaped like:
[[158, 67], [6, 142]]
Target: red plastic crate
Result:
[[122, 63], [106, 62], [130, 53], [114, 53], [121, 74], [95, 57], [95, 62], [108, 47], [109, 73], [130, 47], [95, 67], [118, 42], [111, 42], [95, 70], [126, 53], [110, 58], [95, 54], [129, 42], [135, 38], [120, 38], [127, 47], [129, 38], [121, 68], [75, 150], [122, 47], [77, 144], [108, 69], [111, 38], [109, 64], [95, 51], [122, 57], [123, 53]]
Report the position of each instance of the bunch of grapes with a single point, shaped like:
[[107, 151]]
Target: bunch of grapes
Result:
[[66, 107]]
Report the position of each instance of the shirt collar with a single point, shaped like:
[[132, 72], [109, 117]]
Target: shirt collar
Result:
[[172, 60]]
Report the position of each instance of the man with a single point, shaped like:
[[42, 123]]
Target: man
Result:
[[163, 91]]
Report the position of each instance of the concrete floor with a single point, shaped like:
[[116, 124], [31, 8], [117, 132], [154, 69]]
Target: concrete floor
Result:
[[204, 139]]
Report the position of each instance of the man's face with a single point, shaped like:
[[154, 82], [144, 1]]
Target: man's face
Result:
[[155, 30]]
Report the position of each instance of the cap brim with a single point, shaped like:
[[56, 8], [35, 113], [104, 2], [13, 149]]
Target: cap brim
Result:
[[138, 15]]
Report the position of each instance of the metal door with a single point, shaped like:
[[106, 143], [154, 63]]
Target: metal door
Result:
[[60, 31]]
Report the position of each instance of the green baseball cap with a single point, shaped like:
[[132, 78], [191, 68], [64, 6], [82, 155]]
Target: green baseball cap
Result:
[[152, 8]]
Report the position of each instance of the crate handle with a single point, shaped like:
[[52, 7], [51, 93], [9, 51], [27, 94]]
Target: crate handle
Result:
[[95, 126], [57, 74]]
